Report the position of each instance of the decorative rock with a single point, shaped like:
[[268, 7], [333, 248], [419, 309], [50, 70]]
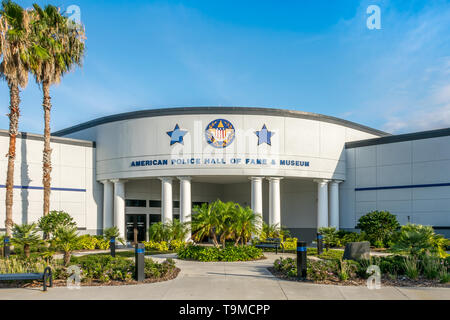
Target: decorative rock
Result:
[[357, 250]]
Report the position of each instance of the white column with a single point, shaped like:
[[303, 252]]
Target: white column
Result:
[[108, 204], [274, 201], [257, 198], [322, 203], [166, 200], [334, 204], [185, 202], [119, 206]]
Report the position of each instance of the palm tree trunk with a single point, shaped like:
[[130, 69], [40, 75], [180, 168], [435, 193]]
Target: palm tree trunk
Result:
[[14, 114], [26, 250], [47, 156], [67, 255]]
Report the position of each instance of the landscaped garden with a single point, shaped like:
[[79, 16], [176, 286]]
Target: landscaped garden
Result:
[[417, 255], [52, 242]]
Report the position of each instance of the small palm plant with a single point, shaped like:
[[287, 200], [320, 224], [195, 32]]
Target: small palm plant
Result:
[[178, 230], [26, 235], [108, 233], [204, 223], [159, 232], [66, 239], [246, 224]]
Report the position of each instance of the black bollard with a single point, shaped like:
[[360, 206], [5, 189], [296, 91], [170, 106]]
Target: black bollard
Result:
[[139, 261], [301, 260], [6, 248], [319, 244], [112, 246]]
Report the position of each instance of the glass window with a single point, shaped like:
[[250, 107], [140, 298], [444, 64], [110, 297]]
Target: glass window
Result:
[[135, 203], [198, 203], [154, 218], [155, 204], [176, 204]]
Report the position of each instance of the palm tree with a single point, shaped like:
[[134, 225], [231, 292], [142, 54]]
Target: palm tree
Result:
[[14, 44], [178, 230], [226, 220], [204, 223], [158, 232], [246, 224], [66, 239], [26, 235], [59, 44]]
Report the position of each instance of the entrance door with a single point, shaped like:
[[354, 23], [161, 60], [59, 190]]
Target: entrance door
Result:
[[136, 223]]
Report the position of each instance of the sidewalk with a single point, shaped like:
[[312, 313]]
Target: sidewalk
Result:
[[226, 281]]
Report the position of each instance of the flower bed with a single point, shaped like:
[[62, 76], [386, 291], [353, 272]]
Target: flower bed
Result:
[[395, 271], [230, 253], [94, 270]]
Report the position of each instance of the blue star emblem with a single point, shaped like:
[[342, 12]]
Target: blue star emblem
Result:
[[264, 136], [176, 135]]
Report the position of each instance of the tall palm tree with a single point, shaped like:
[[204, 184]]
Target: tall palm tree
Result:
[[14, 45], [62, 41]]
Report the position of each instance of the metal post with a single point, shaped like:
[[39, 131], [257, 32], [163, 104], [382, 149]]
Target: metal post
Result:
[[139, 261], [6, 248], [112, 246], [301, 260], [319, 244]]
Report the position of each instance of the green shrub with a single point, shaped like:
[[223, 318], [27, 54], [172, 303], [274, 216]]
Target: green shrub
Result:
[[330, 236], [22, 265], [290, 244], [177, 245], [347, 237], [55, 220], [431, 266], [105, 268], [229, 253], [416, 239], [153, 245], [378, 226], [411, 266]]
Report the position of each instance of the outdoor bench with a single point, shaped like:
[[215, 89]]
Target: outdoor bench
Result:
[[274, 243], [45, 276]]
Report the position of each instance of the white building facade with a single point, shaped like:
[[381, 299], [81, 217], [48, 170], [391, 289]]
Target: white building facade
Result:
[[296, 169]]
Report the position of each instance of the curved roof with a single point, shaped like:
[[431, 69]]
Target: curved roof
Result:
[[215, 110]]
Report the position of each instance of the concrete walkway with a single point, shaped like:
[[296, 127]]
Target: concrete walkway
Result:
[[227, 280]]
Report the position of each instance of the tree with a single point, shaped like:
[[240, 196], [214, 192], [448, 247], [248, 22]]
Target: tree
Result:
[[14, 48], [246, 224], [226, 220], [204, 222], [26, 235], [379, 226], [61, 47], [53, 221], [108, 233], [66, 240]]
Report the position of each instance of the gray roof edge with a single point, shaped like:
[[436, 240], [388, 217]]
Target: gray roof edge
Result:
[[211, 110], [40, 137], [399, 138]]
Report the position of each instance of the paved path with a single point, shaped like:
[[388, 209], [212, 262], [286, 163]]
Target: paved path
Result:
[[227, 280]]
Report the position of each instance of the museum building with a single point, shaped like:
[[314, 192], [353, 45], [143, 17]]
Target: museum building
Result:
[[297, 169]]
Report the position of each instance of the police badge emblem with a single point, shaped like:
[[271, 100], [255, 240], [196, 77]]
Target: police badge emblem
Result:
[[220, 133]]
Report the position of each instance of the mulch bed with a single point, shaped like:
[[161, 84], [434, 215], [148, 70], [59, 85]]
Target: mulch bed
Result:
[[93, 283], [386, 281]]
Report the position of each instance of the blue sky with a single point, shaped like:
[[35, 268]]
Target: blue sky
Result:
[[315, 56]]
